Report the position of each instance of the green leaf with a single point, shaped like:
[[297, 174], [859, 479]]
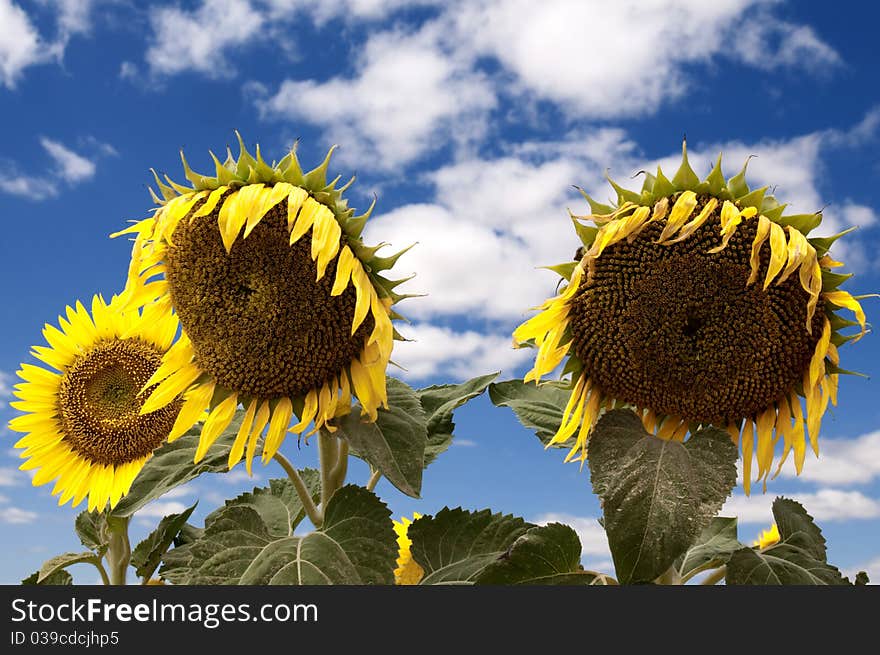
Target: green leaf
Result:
[[455, 546], [657, 495], [712, 548], [278, 505], [544, 555], [356, 545], [60, 577], [91, 529], [59, 562], [799, 558], [147, 555], [395, 444], [538, 407], [172, 465], [439, 403]]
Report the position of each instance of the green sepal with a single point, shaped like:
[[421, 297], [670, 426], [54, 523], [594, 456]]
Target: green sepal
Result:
[[364, 252], [291, 171], [384, 263], [839, 339], [834, 369], [623, 195], [574, 366], [837, 321], [753, 198], [823, 244], [803, 223], [245, 161], [685, 178], [737, 184], [156, 199], [179, 188], [355, 225], [596, 207], [648, 184], [662, 186], [586, 233], [775, 213], [317, 177], [715, 179], [265, 172], [224, 175], [831, 281], [564, 270], [167, 192], [199, 181]]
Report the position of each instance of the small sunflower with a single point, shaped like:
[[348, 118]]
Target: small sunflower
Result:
[[408, 571], [698, 303], [767, 538], [283, 308], [84, 423]]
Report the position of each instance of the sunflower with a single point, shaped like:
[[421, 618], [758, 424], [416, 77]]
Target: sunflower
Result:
[[698, 303], [408, 571], [283, 308], [84, 423], [767, 538]]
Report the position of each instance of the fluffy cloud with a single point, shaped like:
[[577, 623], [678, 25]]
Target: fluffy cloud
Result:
[[406, 96], [16, 515], [442, 351], [20, 44], [594, 543], [844, 461], [6, 382], [9, 477], [67, 165], [161, 508], [823, 505], [199, 40], [70, 166]]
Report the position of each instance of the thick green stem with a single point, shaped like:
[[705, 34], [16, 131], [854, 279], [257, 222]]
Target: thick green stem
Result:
[[328, 446], [315, 515], [715, 577], [374, 480], [118, 550], [105, 579], [671, 577], [340, 469]]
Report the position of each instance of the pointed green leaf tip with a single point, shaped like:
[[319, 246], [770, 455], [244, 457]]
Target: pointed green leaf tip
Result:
[[685, 179]]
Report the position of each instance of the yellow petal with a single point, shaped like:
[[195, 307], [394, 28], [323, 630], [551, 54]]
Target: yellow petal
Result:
[[217, 421], [310, 410], [747, 444], [277, 428], [237, 450], [170, 388], [211, 202], [778, 253], [844, 299], [760, 237], [195, 402], [259, 424], [694, 224], [295, 200], [681, 212]]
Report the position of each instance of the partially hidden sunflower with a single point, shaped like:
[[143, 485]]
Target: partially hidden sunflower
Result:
[[698, 303], [408, 571], [767, 538], [283, 309], [83, 420]]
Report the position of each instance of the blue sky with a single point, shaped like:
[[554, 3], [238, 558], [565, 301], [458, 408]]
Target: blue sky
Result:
[[470, 121]]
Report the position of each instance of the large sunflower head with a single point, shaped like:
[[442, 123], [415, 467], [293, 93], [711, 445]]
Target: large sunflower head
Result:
[[408, 571], [698, 303], [283, 307], [83, 420]]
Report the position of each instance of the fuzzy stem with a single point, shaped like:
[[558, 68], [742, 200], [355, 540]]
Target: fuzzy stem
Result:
[[715, 577], [315, 515], [105, 579], [374, 480], [340, 470], [327, 455], [118, 550]]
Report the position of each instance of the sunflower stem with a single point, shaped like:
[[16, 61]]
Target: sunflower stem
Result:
[[105, 579], [315, 515], [374, 480], [671, 577], [715, 577], [327, 455], [340, 469], [118, 550]]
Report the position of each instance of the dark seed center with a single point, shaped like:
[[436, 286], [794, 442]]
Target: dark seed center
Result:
[[259, 322], [100, 407]]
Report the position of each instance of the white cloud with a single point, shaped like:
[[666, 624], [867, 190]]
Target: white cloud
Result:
[[822, 505], [407, 97], [199, 40], [3, 499], [604, 58], [16, 515], [443, 351], [238, 476], [70, 166], [161, 508], [592, 535], [20, 44], [9, 477], [465, 443], [844, 461], [5, 387]]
